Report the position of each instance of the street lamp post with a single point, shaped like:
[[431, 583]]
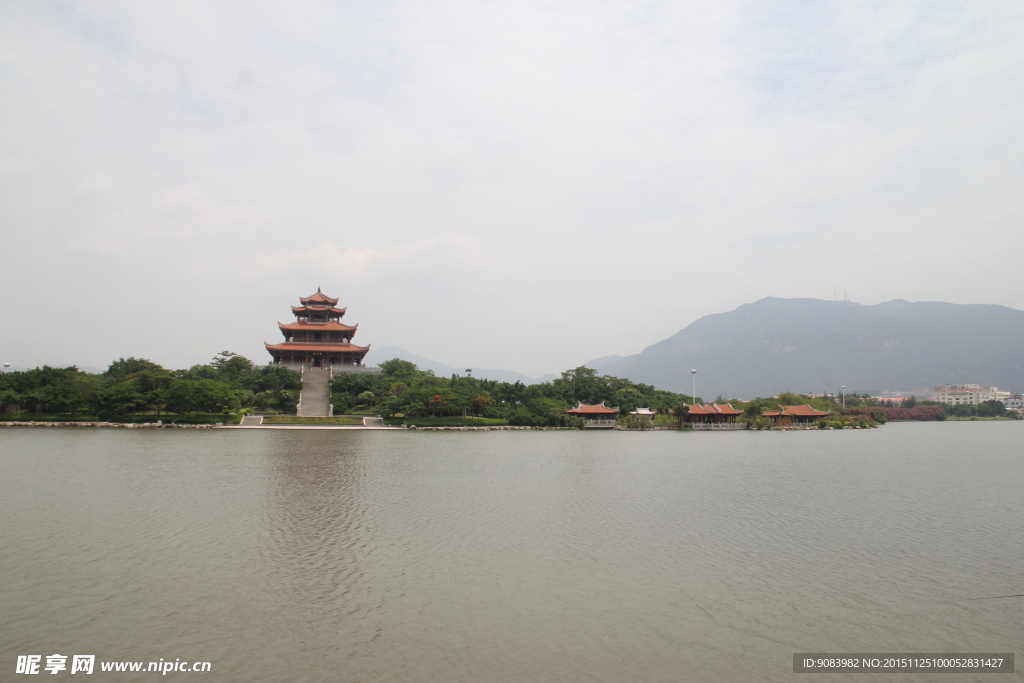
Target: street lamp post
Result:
[[694, 373], [843, 390]]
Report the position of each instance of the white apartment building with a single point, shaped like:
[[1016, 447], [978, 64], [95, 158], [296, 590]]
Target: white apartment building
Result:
[[1015, 402], [969, 394]]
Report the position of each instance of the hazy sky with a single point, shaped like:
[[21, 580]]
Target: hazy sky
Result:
[[519, 185]]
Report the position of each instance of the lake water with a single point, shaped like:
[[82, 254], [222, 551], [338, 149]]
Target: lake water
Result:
[[511, 556]]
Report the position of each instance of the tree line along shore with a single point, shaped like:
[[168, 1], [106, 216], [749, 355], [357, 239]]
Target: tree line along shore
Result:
[[136, 390]]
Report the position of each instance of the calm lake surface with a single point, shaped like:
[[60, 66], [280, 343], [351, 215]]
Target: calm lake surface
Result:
[[511, 556]]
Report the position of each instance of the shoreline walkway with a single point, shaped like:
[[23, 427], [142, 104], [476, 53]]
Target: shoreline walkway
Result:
[[364, 428]]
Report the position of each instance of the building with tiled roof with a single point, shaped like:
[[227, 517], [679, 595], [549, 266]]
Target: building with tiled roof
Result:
[[597, 416], [795, 415], [717, 415], [318, 338], [714, 410]]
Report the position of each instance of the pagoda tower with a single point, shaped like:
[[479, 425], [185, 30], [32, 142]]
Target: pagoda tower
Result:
[[318, 338]]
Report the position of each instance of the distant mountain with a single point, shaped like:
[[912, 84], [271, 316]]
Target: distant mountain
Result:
[[377, 356], [604, 361], [807, 345]]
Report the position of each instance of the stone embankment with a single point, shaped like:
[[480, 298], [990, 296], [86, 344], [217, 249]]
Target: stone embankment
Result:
[[121, 425], [501, 428]]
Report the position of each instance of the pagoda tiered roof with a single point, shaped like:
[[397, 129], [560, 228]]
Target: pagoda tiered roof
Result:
[[302, 310], [333, 326], [326, 347], [330, 343], [318, 298]]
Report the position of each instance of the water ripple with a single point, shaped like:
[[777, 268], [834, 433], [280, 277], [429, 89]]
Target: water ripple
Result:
[[510, 556]]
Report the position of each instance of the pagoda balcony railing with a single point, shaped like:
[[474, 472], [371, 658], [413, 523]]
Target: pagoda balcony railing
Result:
[[355, 369], [336, 368], [598, 424]]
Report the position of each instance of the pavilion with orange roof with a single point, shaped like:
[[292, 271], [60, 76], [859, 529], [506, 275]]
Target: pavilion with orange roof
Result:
[[597, 416], [795, 415], [713, 416]]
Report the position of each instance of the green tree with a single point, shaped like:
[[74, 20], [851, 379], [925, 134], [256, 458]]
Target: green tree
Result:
[[35, 398], [465, 395], [440, 403], [151, 386], [549, 411], [752, 411], [960, 411], [124, 367], [9, 398], [682, 410], [124, 397], [185, 396], [285, 400], [275, 378], [357, 383], [196, 372], [523, 417], [415, 401], [245, 397], [627, 400], [990, 409], [481, 402], [396, 367], [69, 391], [218, 397], [512, 394], [584, 385], [233, 369], [389, 406]]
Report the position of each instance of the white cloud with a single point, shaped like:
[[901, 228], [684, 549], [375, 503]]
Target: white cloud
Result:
[[498, 158], [441, 257]]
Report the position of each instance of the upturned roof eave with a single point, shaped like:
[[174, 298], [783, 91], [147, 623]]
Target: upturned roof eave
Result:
[[314, 346]]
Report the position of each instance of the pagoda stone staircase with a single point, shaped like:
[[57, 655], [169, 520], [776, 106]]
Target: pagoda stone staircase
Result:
[[315, 399]]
